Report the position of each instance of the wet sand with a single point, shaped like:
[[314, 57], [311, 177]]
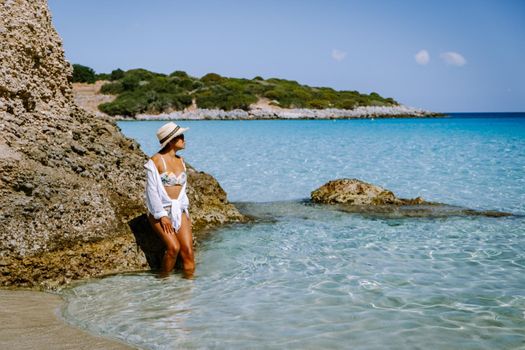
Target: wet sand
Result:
[[29, 320]]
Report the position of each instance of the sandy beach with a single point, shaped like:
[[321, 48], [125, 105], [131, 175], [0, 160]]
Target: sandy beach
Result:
[[30, 320]]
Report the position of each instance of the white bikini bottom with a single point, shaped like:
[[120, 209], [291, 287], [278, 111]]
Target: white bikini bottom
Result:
[[175, 213]]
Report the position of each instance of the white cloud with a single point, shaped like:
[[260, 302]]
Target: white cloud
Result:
[[422, 57], [453, 58], [338, 55]]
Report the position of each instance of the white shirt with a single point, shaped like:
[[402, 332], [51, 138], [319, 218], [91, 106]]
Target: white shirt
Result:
[[157, 198]]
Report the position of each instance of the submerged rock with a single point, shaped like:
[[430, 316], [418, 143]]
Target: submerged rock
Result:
[[356, 196], [69, 182], [428, 210]]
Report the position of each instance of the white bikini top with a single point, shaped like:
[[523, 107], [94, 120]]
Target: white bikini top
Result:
[[169, 178]]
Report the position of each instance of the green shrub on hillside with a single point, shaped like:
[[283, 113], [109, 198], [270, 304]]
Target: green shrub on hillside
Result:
[[390, 101], [116, 74], [185, 83], [156, 95], [112, 88], [141, 91], [83, 74], [126, 104], [179, 74], [319, 104], [224, 98], [102, 76], [130, 82], [142, 74], [211, 78]]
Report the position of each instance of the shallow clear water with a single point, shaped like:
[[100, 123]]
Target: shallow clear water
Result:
[[308, 276], [477, 162]]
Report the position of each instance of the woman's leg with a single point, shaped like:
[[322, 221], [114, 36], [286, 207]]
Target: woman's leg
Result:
[[172, 246], [185, 237]]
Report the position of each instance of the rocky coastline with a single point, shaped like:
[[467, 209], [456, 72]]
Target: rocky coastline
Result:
[[88, 96], [290, 114]]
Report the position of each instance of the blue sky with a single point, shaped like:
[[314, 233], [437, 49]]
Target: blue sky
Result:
[[449, 56]]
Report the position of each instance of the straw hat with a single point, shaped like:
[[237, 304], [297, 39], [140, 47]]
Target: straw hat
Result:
[[168, 132]]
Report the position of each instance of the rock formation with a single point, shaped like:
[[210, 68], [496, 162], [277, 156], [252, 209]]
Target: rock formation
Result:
[[357, 192], [356, 196], [69, 182]]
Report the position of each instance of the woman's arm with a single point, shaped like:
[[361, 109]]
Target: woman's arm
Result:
[[153, 202]]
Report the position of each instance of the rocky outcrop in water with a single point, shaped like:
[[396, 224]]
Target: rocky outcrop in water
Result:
[[357, 192], [69, 182], [356, 196]]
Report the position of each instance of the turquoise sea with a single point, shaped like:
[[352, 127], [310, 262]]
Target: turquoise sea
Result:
[[310, 277]]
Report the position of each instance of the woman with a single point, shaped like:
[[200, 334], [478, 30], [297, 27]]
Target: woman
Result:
[[167, 201]]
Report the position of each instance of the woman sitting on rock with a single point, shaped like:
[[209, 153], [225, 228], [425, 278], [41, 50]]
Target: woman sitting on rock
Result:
[[167, 201]]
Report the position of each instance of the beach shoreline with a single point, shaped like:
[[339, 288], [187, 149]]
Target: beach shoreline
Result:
[[32, 320]]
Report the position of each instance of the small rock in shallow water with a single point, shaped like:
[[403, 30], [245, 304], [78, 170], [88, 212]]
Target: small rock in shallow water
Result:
[[357, 192], [356, 196]]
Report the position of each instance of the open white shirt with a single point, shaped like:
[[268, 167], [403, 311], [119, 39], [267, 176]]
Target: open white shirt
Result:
[[157, 198]]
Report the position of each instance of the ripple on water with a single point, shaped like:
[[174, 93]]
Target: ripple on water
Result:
[[364, 283], [317, 278], [477, 163]]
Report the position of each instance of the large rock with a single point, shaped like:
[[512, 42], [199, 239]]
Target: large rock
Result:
[[356, 196], [69, 182], [357, 192]]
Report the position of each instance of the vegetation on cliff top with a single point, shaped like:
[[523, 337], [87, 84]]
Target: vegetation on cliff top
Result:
[[83, 74], [141, 91]]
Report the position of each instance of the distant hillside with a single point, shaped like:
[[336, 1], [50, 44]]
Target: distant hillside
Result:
[[140, 91]]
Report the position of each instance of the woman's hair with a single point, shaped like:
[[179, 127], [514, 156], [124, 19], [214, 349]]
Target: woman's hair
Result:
[[173, 140]]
